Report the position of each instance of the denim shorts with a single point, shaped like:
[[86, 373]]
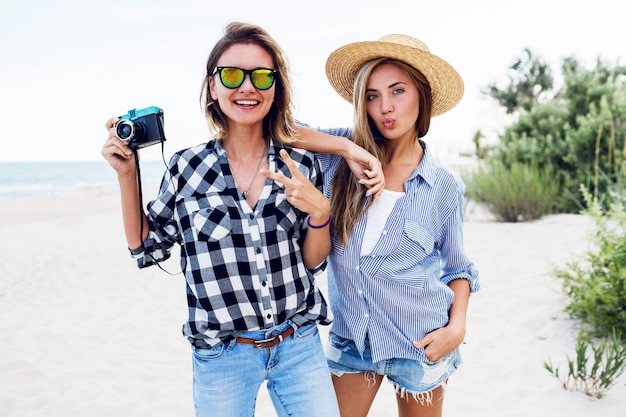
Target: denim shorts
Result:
[[407, 375]]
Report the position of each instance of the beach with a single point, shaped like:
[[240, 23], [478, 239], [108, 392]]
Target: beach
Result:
[[86, 333]]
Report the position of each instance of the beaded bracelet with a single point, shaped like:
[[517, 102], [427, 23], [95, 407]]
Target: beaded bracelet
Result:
[[308, 221]]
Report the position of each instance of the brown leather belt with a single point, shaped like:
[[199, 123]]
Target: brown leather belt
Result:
[[266, 343]]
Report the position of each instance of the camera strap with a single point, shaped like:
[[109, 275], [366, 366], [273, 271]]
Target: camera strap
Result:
[[142, 213]]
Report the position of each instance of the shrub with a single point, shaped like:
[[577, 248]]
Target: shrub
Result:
[[596, 285], [596, 374], [520, 192], [579, 129]]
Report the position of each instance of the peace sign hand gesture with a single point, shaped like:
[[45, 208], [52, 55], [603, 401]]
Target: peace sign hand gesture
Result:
[[300, 192]]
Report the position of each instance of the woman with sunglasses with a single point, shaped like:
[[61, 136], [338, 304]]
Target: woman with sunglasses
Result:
[[250, 245], [399, 279]]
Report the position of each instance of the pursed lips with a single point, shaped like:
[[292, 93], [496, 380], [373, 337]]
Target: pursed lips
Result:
[[388, 122]]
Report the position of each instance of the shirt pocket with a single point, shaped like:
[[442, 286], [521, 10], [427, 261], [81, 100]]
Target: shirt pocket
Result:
[[415, 246], [286, 216], [212, 224], [420, 241]]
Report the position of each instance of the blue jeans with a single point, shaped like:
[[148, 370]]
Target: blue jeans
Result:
[[227, 378]]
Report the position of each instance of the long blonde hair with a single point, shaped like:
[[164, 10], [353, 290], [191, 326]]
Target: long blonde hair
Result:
[[279, 122], [348, 200]]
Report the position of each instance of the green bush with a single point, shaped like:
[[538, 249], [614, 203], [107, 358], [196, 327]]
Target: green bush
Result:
[[596, 285], [579, 129], [520, 192]]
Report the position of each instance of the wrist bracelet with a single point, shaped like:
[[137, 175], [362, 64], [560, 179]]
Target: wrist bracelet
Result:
[[308, 222]]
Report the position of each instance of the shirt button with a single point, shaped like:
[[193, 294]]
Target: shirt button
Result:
[[373, 256], [264, 283], [356, 267], [258, 250], [360, 292], [384, 232], [252, 217], [366, 315], [269, 316]]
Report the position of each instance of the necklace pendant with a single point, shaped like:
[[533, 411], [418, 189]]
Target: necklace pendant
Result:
[[244, 193]]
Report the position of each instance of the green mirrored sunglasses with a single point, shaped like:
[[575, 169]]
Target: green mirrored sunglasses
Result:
[[233, 77]]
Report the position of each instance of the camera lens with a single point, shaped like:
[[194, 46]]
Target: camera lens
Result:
[[125, 129]]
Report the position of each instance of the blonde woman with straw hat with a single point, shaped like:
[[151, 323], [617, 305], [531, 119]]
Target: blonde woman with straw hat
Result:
[[399, 278]]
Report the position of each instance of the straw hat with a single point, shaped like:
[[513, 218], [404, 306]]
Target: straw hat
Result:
[[445, 83]]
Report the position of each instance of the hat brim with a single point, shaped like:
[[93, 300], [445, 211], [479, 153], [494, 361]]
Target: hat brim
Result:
[[446, 84]]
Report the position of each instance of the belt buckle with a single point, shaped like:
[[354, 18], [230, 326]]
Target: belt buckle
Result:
[[260, 343]]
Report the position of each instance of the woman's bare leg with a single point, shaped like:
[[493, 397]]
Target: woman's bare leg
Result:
[[356, 392]]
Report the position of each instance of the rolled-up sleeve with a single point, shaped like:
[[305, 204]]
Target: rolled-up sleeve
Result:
[[163, 230], [454, 262]]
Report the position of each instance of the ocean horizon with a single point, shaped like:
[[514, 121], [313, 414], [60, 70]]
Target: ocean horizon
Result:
[[44, 179]]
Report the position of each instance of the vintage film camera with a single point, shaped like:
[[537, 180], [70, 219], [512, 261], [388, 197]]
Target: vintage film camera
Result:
[[141, 127]]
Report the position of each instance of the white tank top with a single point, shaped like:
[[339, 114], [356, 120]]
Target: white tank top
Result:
[[377, 216]]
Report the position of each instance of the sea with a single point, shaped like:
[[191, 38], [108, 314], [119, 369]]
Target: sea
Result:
[[39, 179]]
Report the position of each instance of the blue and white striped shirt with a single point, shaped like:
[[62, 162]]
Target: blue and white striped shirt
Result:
[[399, 292]]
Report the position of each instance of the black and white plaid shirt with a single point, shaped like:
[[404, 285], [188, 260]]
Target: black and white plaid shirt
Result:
[[243, 266]]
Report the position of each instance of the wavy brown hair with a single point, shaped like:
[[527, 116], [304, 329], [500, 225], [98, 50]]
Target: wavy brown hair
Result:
[[348, 202], [278, 124]]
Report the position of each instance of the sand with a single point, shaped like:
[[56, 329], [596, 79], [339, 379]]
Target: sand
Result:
[[86, 333]]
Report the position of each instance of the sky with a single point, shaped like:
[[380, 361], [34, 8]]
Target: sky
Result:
[[67, 66]]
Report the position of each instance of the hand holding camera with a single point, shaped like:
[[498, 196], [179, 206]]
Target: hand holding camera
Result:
[[141, 128], [130, 132]]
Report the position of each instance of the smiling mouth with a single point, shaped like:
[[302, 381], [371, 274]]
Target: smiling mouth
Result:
[[246, 102]]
